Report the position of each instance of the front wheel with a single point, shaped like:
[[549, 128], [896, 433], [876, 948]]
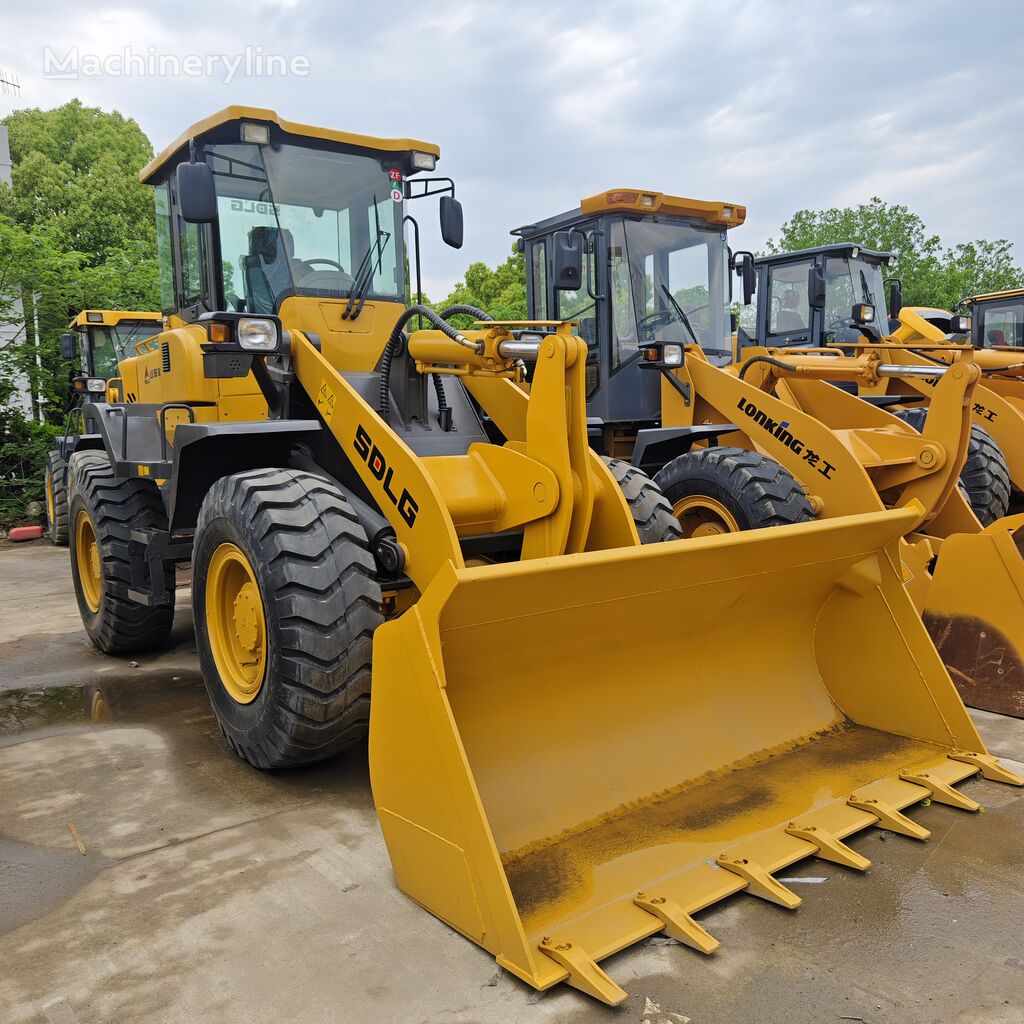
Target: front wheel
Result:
[[726, 490], [285, 606], [652, 514]]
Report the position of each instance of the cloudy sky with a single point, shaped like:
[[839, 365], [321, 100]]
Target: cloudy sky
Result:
[[779, 106]]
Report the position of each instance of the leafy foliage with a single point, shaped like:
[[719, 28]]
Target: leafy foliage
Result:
[[76, 231], [931, 274], [501, 291]]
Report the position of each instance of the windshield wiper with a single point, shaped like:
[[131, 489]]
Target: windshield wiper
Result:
[[368, 266], [679, 310]]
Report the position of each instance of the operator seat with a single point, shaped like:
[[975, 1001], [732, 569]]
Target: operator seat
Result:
[[267, 268], [789, 318]]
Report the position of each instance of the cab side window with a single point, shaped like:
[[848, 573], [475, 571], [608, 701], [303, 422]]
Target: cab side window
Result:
[[1003, 325], [789, 309]]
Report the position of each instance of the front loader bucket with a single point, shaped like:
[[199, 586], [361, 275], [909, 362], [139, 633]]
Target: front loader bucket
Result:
[[571, 754], [974, 610]]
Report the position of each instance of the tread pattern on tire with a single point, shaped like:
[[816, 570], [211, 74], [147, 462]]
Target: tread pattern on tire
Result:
[[322, 605], [651, 510], [985, 478], [57, 530], [763, 492], [117, 505]]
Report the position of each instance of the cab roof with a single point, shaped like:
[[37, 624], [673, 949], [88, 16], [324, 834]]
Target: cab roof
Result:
[[1010, 293], [642, 201], [838, 249], [179, 147], [111, 317]]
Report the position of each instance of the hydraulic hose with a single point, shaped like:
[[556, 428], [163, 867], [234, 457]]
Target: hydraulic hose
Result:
[[771, 362], [397, 333], [444, 413]]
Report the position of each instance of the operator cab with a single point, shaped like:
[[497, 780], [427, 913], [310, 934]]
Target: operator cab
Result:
[[262, 217], [654, 268], [829, 295], [996, 320], [101, 338]]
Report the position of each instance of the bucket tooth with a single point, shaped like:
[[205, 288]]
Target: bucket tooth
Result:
[[829, 847], [759, 881], [584, 973], [941, 792], [989, 767], [888, 817], [676, 923]]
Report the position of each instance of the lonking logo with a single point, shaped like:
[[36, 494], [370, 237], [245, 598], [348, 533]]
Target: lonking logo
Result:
[[779, 429]]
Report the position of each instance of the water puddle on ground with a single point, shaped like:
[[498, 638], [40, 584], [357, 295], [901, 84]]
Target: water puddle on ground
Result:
[[166, 700]]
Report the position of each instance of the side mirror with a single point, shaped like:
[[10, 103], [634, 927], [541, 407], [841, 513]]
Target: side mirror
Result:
[[68, 346], [895, 298], [197, 198], [816, 288], [567, 260], [747, 273], [451, 221]]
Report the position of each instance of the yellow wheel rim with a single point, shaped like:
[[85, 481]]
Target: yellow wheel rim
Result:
[[236, 624], [49, 498], [87, 557], [701, 516]]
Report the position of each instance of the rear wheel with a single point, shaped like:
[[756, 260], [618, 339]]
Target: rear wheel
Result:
[[104, 510], [726, 490], [56, 499], [985, 478], [285, 606], [652, 514]]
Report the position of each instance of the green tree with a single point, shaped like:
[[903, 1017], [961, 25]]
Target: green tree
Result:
[[76, 231], [931, 274], [501, 291]]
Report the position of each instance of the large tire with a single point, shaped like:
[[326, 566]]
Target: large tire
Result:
[[985, 476], [56, 499], [651, 511], [286, 660], [104, 511], [725, 490]]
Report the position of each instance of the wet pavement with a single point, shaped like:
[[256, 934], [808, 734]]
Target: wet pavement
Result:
[[210, 892]]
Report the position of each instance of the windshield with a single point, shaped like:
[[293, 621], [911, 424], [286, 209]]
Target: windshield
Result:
[[849, 282], [668, 283], [302, 221]]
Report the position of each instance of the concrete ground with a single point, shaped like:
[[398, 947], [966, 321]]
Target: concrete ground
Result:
[[210, 892]]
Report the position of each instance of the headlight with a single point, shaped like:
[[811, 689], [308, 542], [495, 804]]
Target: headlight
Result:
[[960, 325], [97, 385], [257, 335], [424, 161], [864, 313], [672, 355]]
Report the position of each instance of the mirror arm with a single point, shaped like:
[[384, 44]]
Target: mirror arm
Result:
[[409, 219]]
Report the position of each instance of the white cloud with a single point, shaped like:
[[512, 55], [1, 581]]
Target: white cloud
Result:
[[778, 106]]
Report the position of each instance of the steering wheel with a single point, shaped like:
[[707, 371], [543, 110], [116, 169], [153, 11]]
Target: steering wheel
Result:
[[647, 325]]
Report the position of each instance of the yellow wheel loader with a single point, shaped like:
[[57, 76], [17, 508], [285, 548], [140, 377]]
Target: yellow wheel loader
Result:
[[835, 295], [387, 532], [95, 340], [652, 293], [991, 324]]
